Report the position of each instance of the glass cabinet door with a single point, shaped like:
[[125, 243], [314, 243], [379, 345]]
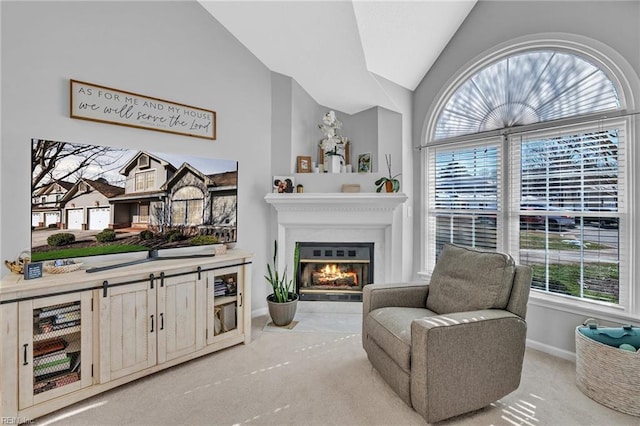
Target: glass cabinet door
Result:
[[55, 345], [224, 303]]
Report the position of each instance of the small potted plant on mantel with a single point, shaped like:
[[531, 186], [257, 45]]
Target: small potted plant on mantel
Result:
[[391, 184], [284, 300]]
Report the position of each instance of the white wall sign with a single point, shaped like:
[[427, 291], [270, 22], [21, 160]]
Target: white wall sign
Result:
[[107, 105]]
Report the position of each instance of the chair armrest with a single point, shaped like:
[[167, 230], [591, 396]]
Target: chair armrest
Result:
[[410, 295], [468, 360]]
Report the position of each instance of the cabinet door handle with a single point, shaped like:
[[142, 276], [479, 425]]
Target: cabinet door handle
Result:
[[24, 354], [162, 321], [240, 299], [151, 323]]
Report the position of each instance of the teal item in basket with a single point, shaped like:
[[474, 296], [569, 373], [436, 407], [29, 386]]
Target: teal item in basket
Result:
[[612, 336], [627, 347]]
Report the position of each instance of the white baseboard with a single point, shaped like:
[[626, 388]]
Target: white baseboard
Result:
[[551, 350], [259, 312]]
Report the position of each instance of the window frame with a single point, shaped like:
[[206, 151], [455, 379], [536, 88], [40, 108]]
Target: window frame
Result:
[[625, 288], [624, 77], [143, 177], [186, 203], [430, 247], [509, 210]]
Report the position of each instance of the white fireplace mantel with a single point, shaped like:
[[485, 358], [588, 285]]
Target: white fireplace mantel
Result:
[[371, 201], [342, 217]]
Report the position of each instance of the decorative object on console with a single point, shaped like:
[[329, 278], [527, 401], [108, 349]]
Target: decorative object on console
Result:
[[61, 266], [283, 184], [32, 270], [364, 163], [304, 164], [299, 188], [283, 301], [391, 184], [219, 249], [17, 266]]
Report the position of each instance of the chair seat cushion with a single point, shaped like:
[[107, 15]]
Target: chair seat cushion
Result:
[[466, 279], [390, 329]]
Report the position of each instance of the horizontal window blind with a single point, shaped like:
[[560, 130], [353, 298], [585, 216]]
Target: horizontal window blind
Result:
[[566, 207], [464, 195], [531, 87]]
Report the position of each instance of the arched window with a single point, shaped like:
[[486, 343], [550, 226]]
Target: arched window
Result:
[[521, 159], [531, 87]]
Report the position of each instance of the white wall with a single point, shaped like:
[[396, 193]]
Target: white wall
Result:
[[170, 50], [612, 26]]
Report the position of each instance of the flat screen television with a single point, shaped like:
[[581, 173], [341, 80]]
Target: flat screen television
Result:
[[89, 200]]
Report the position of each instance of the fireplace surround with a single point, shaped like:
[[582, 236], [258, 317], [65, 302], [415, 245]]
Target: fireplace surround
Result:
[[343, 217]]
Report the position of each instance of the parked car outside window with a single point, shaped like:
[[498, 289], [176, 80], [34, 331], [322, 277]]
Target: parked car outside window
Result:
[[557, 222], [602, 222]]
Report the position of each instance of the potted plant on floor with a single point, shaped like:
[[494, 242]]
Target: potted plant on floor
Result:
[[284, 300], [391, 184]]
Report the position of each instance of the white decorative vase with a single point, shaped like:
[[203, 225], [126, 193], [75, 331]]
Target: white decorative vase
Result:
[[332, 164]]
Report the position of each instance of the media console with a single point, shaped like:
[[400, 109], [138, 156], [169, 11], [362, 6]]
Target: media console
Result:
[[63, 338]]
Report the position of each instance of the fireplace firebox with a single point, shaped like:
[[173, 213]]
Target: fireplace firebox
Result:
[[334, 271]]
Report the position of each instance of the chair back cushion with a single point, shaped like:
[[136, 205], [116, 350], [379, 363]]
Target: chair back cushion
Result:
[[466, 279]]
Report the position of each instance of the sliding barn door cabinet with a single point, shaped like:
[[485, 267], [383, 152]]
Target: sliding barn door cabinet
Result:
[[71, 336]]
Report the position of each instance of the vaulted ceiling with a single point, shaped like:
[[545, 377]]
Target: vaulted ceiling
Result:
[[339, 51]]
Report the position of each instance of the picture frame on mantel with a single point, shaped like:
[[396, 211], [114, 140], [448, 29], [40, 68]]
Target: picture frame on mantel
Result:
[[364, 162], [304, 164], [283, 184]]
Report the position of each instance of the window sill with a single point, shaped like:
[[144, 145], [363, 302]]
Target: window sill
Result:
[[559, 303], [424, 276], [589, 309]]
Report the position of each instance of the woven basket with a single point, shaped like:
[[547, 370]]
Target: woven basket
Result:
[[608, 375], [51, 268]]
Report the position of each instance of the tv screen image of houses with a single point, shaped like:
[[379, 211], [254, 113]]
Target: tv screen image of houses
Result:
[[92, 200]]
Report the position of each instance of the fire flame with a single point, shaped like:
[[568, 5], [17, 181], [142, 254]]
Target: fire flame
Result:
[[333, 272], [331, 269]]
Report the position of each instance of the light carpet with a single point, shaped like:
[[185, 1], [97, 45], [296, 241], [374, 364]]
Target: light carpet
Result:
[[319, 322], [291, 377]]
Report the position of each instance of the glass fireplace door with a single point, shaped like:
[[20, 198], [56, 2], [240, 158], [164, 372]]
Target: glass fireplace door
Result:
[[334, 271]]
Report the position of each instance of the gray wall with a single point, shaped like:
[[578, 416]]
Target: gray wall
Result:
[[363, 132], [612, 26], [281, 124], [169, 50], [306, 115]]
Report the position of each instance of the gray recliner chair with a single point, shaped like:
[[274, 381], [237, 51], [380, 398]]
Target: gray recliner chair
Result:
[[454, 345]]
